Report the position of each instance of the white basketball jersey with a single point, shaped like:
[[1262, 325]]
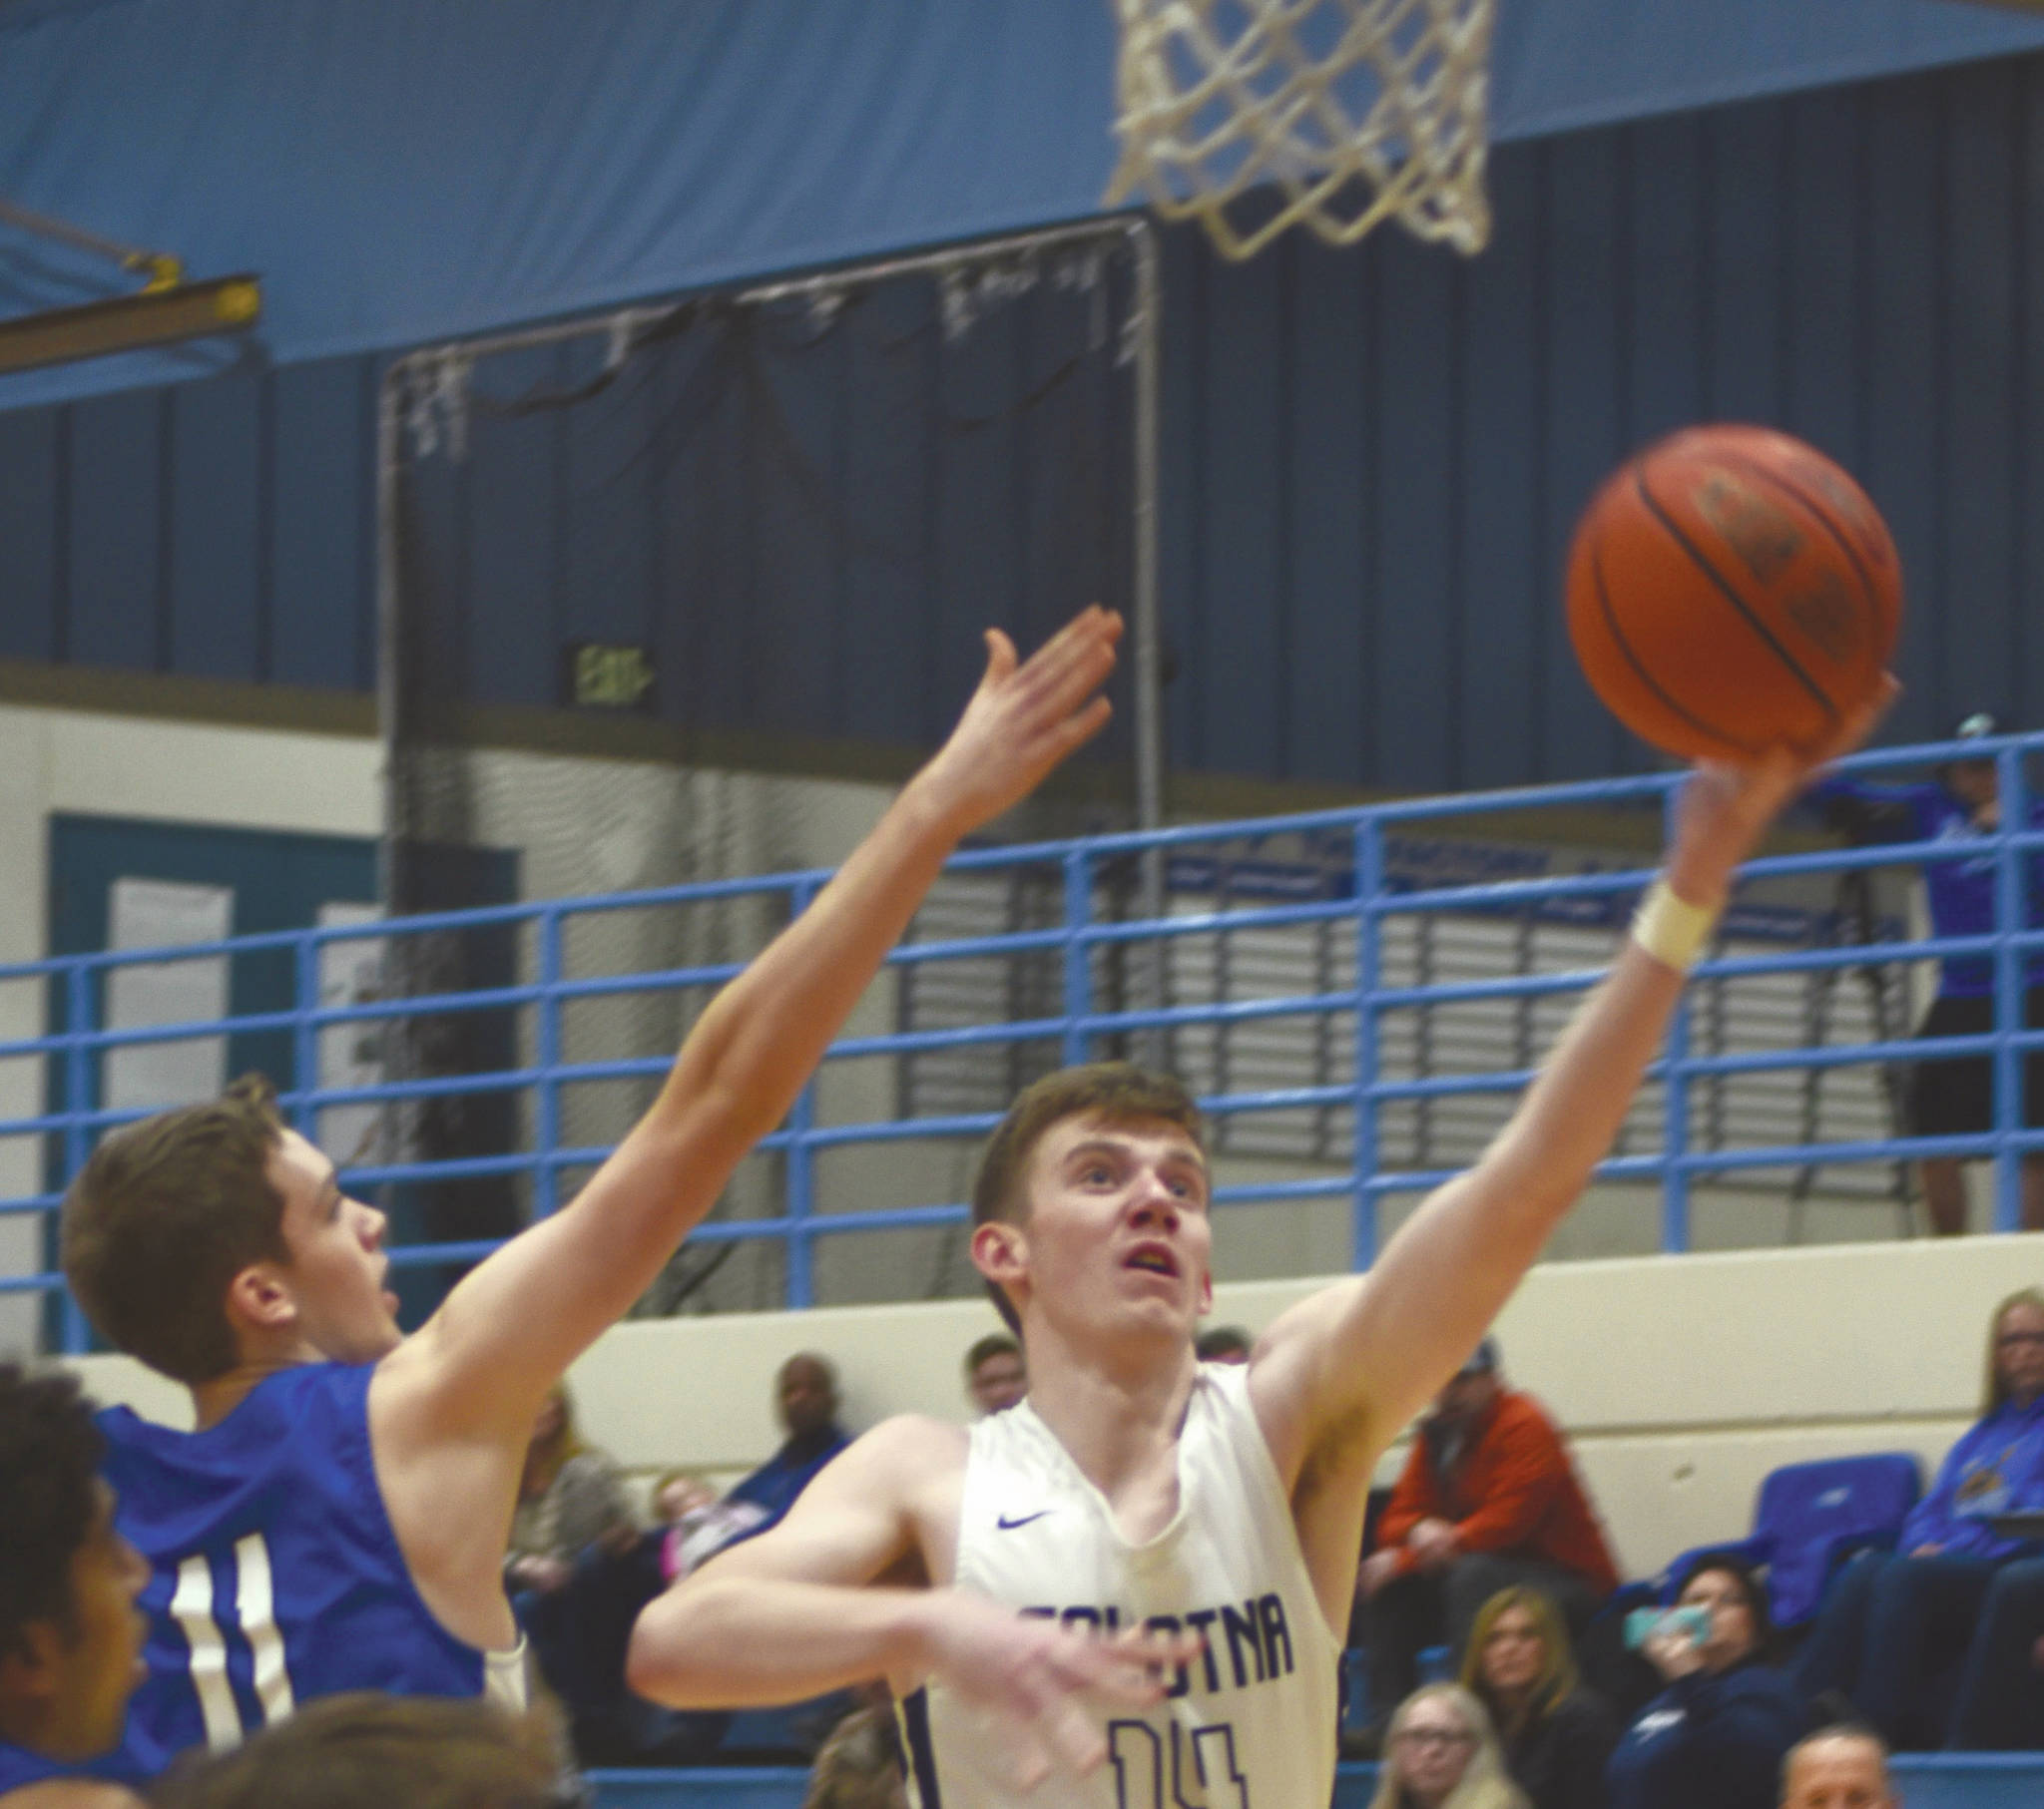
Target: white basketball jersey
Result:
[[1250, 1723]]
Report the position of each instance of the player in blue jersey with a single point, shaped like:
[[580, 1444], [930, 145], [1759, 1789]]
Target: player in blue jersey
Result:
[[70, 1635], [1954, 1097], [337, 1520]]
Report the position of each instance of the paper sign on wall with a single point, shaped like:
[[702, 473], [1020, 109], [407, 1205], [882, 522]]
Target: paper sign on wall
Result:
[[351, 1055], [153, 914]]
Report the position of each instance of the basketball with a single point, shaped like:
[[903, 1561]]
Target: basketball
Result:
[[1730, 589]]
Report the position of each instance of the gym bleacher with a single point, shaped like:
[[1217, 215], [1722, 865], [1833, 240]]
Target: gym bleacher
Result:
[[450, 616]]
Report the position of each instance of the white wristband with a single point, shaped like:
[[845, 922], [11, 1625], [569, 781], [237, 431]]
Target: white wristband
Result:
[[1671, 929]]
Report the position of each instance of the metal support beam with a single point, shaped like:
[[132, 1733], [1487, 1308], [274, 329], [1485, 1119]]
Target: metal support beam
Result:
[[161, 316]]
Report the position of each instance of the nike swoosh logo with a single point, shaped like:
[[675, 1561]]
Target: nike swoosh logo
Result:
[[1008, 1525]]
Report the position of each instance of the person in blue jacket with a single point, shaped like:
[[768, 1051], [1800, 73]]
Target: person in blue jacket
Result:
[[1954, 1097], [1715, 1736], [1895, 1623]]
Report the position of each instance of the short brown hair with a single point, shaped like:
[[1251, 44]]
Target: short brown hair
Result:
[[994, 1344], [363, 1750], [1118, 1092], [165, 1215]]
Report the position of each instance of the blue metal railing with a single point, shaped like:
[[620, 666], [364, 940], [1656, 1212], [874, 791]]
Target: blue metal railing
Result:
[[1086, 1022]]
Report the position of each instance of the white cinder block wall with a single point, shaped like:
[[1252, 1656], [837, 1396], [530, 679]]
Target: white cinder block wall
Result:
[[1681, 1380]]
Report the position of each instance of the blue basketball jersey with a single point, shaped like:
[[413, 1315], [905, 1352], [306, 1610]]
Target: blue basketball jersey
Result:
[[134, 1762], [274, 1575], [20, 1769]]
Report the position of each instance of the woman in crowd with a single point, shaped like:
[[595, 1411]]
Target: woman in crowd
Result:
[[1556, 1735], [571, 1573], [569, 1498], [1897, 1625], [1440, 1753], [860, 1764], [1716, 1735]]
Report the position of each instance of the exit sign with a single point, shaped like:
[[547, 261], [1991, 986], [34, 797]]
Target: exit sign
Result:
[[598, 674]]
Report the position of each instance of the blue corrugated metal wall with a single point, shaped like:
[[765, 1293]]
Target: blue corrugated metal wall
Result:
[[1391, 449], [222, 529], [1372, 460]]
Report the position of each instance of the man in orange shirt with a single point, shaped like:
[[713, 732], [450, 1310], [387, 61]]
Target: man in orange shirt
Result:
[[1488, 1500]]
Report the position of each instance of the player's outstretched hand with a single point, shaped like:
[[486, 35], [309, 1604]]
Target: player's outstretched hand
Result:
[[1041, 1684], [1727, 807], [1024, 719]]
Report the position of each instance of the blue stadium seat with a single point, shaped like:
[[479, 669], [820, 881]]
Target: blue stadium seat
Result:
[[1809, 1519]]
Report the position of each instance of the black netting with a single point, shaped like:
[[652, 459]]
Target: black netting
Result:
[[773, 532]]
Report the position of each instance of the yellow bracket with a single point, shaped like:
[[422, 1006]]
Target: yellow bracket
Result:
[[165, 271]]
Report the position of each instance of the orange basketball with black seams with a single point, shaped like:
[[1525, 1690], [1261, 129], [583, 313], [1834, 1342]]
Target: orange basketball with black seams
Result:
[[1730, 589]]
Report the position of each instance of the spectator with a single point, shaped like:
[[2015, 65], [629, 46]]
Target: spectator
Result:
[[362, 1750], [1845, 1766], [805, 1395], [580, 1637], [70, 1635], [1895, 1623], [1556, 1735], [996, 1376], [1442, 1754], [1954, 1097], [1487, 1500], [569, 1497], [573, 1542], [2000, 1701], [1223, 1344], [683, 1504], [1715, 1736], [806, 1399], [860, 1765], [679, 1494]]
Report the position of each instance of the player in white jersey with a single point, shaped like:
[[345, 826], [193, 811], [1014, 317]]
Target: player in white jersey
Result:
[[1256, 1700], [1137, 1575]]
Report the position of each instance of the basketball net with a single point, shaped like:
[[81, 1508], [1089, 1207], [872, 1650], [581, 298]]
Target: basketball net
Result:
[[1351, 111]]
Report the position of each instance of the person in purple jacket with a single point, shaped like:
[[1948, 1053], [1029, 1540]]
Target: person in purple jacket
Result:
[[1955, 1096], [1894, 1623]]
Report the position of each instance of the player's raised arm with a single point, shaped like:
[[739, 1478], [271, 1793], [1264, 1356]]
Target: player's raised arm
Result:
[[1359, 1360], [787, 1616], [795, 1613], [482, 1363]]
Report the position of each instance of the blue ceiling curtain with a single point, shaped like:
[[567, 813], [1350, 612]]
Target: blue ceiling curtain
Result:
[[403, 174]]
